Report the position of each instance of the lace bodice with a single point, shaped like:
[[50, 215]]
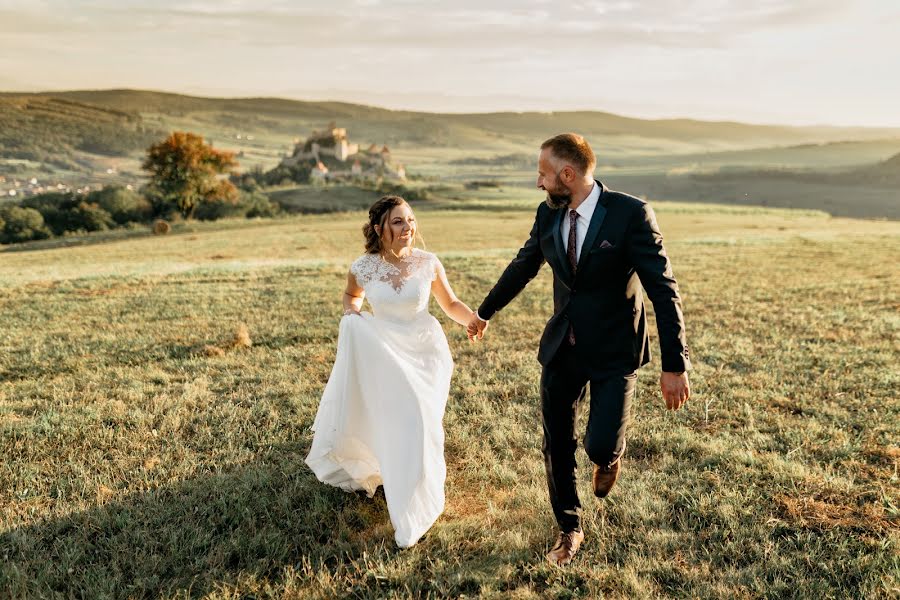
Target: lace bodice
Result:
[[398, 293]]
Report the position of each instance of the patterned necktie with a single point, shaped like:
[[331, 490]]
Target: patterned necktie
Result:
[[573, 230], [573, 259]]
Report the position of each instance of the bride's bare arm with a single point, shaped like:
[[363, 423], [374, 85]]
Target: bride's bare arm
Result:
[[353, 296], [455, 308]]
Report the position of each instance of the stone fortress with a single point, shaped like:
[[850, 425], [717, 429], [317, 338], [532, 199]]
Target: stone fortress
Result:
[[330, 156]]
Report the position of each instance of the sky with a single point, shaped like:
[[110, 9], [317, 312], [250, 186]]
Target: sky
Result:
[[800, 62]]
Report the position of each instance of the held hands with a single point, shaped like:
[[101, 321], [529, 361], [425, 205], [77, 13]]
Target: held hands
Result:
[[475, 328], [676, 389]]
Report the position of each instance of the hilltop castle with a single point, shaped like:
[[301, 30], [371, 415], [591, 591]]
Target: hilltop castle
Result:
[[330, 156]]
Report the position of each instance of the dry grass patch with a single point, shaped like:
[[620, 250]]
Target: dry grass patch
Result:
[[837, 511]]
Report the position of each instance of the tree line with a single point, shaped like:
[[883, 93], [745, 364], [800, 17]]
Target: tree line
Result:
[[188, 179]]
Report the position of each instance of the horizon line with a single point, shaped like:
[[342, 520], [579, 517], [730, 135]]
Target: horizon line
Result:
[[201, 96]]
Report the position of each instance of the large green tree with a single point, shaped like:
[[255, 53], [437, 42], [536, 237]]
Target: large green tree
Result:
[[186, 172]]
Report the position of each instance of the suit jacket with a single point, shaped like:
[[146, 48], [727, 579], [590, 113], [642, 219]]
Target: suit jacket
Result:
[[602, 300]]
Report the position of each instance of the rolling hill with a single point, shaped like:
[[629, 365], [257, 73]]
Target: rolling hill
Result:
[[268, 117], [98, 137], [885, 173], [53, 130]]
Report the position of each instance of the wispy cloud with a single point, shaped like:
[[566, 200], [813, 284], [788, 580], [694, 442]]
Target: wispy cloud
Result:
[[680, 23]]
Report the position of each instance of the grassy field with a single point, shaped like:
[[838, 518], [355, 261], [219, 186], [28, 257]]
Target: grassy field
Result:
[[314, 199], [139, 461]]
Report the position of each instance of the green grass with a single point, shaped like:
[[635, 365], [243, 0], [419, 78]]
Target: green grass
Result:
[[314, 199], [135, 465]]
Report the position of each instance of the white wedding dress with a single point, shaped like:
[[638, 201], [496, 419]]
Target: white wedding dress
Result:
[[380, 416]]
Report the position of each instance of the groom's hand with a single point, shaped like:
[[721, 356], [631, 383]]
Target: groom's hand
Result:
[[475, 328], [676, 389]]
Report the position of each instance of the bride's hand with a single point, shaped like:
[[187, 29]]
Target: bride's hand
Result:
[[351, 311], [475, 328]]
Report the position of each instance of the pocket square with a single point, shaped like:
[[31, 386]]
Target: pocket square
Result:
[[606, 244]]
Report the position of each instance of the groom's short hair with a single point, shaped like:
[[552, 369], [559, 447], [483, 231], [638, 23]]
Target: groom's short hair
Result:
[[573, 149]]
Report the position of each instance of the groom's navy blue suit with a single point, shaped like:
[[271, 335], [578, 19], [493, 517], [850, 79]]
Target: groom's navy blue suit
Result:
[[601, 302]]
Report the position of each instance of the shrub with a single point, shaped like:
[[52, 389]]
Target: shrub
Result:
[[21, 225], [284, 175], [64, 212], [213, 210], [398, 189], [249, 204], [257, 204], [53, 208], [249, 181], [122, 204], [88, 216]]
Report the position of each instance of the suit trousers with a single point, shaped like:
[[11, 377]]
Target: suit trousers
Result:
[[564, 384]]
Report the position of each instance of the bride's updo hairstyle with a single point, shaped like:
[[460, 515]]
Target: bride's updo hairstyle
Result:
[[378, 215]]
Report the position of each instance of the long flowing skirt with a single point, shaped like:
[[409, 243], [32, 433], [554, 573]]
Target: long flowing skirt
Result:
[[380, 418]]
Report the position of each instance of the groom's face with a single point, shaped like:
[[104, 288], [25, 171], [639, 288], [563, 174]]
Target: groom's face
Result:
[[558, 194]]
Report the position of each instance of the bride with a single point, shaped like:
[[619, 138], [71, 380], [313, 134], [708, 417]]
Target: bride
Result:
[[380, 417]]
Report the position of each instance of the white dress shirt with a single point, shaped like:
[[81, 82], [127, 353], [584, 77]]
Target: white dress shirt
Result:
[[585, 211]]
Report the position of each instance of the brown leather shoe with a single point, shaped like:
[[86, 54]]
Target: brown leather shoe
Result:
[[567, 544], [604, 478]]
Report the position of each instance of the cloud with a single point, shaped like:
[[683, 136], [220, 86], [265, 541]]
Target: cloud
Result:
[[524, 27], [677, 53], [525, 24]]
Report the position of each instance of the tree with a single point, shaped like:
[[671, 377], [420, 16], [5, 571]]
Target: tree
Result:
[[185, 172]]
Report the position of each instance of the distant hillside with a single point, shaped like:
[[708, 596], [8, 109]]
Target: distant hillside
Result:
[[886, 173], [882, 174], [53, 130], [490, 130], [82, 138]]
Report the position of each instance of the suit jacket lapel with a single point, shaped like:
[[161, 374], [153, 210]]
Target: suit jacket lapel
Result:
[[560, 249], [593, 227]]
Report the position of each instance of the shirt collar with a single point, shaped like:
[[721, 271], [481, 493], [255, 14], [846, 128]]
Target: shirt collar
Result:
[[586, 208]]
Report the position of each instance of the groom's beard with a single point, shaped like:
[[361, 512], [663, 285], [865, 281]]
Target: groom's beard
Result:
[[558, 198]]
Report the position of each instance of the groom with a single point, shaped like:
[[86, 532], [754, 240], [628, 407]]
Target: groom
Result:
[[602, 246]]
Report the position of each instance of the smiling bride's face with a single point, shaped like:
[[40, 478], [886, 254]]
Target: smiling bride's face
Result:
[[400, 228]]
